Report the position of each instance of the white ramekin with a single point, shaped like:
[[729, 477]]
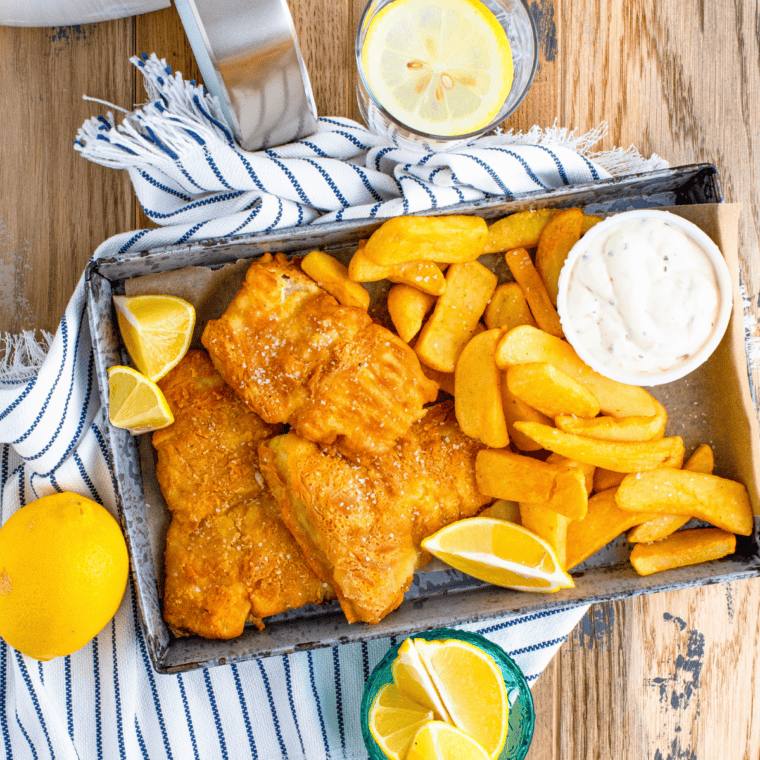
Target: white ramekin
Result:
[[724, 286]]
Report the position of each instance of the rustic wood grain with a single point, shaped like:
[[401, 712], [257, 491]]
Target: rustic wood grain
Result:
[[669, 677], [680, 80], [55, 207]]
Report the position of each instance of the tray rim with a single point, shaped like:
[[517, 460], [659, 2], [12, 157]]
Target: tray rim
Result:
[[541, 199], [150, 614]]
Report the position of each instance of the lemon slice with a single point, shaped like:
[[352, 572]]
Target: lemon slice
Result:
[[136, 403], [471, 686], [440, 741], [442, 67], [156, 330], [501, 553], [411, 677], [394, 720]]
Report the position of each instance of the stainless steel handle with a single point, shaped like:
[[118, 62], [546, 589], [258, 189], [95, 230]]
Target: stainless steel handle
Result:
[[248, 53]]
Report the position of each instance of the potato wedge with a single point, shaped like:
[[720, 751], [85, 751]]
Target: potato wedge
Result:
[[361, 269], [721, 502], [527, 344], [508, 308], [515, 410], [408, 308], [503, 510], [561, 233], [701, 460], [589, 220], [619, 456], [550, 390], [457, 312], [547, 524], [445, 239], [477, 392], [445, 380], [520, 230], [538, 299], [570, 497], [616, 429], [687, 547], [604, 479], [654, 530], [604, 521], [587, 469], [331, 275], [422, 275], [514, 477]]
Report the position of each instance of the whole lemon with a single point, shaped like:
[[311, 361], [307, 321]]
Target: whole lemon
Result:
[[63, 572]]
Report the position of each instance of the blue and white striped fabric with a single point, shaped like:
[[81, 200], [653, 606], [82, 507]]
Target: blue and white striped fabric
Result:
[[105, 700]]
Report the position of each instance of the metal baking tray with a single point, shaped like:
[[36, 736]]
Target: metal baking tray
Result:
[[441, 597]]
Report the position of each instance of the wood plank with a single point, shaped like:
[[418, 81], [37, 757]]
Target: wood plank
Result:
[[546, 705], [680, 81], [539, 106], [326, 38], [55, 207], [673, 673]]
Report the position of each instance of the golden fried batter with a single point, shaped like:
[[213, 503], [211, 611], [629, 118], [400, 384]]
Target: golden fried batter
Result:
[[360, 525], [229, 557], [295, 355]]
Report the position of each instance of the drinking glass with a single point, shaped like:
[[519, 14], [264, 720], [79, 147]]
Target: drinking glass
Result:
[[516, 20]]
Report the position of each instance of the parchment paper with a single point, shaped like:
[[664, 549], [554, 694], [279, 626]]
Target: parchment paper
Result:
[[711, 405]]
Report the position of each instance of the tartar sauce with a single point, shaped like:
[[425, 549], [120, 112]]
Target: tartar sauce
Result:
[[643, 298]]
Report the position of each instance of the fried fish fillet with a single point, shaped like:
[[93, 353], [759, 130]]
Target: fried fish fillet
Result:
[[295, 355], [360, 525], [229, 557]]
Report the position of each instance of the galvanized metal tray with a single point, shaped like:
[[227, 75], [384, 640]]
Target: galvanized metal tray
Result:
[[440, 597]]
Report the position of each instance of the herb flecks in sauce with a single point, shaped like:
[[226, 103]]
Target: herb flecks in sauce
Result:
[[643, 298]]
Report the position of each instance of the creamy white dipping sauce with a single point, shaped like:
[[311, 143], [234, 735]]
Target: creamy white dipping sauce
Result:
[[643, 298]]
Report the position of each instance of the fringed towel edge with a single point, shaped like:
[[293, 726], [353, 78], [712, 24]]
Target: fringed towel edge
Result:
[[22, 354], [617, 161], [182, 114]]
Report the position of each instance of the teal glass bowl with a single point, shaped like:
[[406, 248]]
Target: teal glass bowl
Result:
[[522, 717]]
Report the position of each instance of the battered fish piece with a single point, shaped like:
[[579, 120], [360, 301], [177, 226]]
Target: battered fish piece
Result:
[[360, 525], [295, 355], [229, 557]]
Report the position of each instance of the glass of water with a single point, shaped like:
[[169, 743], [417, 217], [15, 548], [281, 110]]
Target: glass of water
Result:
[[436, 75]]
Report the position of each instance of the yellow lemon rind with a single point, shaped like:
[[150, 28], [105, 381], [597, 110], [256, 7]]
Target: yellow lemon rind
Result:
[[158, 344], [492, 684], [488, 566], [155, 417]]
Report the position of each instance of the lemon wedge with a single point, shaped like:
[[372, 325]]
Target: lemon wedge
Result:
[[156, 330], [413, 680], [471, 686], [136, 403], [440, 741], [499, 552], [441, 67], [394, 720]]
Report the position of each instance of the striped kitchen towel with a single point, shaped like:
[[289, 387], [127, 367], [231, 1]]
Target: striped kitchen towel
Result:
[[192, 180]]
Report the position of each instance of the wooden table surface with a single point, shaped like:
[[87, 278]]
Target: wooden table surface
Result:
[[671, 676]]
